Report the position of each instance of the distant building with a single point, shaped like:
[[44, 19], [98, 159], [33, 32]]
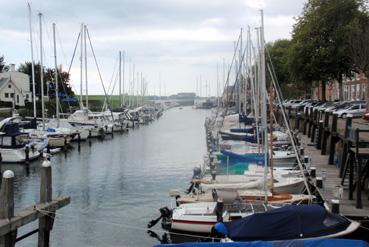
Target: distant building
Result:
[[15, 87], [353, 88]]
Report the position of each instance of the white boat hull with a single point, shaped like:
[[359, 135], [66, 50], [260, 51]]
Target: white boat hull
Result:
[[17, 155]]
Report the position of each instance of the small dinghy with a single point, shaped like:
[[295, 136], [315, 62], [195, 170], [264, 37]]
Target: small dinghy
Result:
[[287, 223]]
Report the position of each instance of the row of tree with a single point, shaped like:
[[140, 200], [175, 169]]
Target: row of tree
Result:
[[330, 41]]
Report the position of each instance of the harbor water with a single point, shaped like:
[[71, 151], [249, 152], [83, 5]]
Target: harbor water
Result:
[[118, 184]]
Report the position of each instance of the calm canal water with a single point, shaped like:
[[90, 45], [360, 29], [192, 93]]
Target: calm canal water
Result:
[[118, 185]]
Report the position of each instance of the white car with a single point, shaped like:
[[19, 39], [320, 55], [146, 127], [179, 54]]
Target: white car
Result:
[[356, 110]]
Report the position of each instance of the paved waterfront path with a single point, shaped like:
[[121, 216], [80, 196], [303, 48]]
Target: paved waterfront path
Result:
[[331, 180]]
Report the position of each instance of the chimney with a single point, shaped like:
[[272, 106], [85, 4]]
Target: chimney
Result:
[[12, 67]]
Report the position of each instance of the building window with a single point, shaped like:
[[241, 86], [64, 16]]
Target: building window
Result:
[[12, 95], [9, 86], [17, 98], [6, 95], [27, 96]]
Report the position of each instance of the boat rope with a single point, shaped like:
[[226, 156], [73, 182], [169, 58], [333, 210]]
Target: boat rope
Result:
[[51, 213], [279, 98]]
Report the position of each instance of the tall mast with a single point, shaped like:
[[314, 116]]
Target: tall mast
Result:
[[81, 68], [33, 63], [120, 79], [56, 79], [124, 65], [86, 81], [264, 97], [240, 73], [42, 74], [217, 85]]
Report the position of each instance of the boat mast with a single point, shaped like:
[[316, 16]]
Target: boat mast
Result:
[[81, 72], [56, 79], [120, 79], [42, 75], [124, 74], [86, 81], [264, 97], [33, 63]]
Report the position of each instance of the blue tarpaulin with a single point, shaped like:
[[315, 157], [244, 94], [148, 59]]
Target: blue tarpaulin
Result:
[[290, 243], [70, 100], [289, 222]]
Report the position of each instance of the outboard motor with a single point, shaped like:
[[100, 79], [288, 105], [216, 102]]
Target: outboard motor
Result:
[[165, 215], [196, 173]]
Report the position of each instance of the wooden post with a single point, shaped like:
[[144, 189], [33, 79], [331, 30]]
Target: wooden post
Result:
[[332, 145], [310, 113], [45, 222], [7, 207], [314, 125], [325, 133], [346, 144], [351, 175], [306, 120], [359, 203], [320, 134]]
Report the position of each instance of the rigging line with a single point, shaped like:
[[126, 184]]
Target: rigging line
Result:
[[47, 213], [111, 87], [98, 70], [290, 133]]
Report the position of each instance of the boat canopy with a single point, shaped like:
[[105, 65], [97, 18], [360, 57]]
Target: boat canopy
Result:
[[289, 222], [327, 242]]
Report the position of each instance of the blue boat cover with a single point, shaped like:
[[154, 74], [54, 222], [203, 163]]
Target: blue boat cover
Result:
[[247, 158], [289, 222], [290, 243]]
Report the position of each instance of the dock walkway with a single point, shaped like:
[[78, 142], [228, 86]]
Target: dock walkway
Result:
[[332, 182]]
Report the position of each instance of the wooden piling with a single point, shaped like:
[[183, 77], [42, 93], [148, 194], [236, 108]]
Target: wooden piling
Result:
[[333, 140], [7, 207], [45, 222], [346, 144], [325, 134]]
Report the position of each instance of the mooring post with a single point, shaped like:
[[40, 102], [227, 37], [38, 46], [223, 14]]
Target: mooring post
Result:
[[320, 133], [359, 203], [310, 116], [7, 206], [315, 122], [27, 155], [332, 145], [325, 133], [46, 222], [306, 120], [346, 144]]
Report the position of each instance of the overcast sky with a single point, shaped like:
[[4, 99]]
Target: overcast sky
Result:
[[175, 40]]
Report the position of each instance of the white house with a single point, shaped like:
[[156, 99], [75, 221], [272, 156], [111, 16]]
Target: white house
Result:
[[15, 87]]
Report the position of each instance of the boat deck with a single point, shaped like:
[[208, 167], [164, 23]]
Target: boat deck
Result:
[[331, 181]]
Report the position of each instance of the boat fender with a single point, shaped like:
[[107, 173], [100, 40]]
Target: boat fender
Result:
[[220, 228]]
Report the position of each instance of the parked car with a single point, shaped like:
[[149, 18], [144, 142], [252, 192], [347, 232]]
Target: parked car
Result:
[[366, 116], [338, 106], [356, 110]]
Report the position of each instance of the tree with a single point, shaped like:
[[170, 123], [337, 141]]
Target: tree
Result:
[[358, 43], [319, 49], [49, 76], [279, 52], [2, 64]]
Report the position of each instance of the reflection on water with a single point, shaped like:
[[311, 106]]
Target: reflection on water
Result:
[[117, 185]]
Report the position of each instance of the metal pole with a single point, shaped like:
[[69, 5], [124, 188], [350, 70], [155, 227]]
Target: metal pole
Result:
[[86, 81], [56, 79], [33, 63], [120, 79], [81, 67], [42, 75]]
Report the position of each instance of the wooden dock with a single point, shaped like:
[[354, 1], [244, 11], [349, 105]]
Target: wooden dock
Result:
[[339, 149]]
